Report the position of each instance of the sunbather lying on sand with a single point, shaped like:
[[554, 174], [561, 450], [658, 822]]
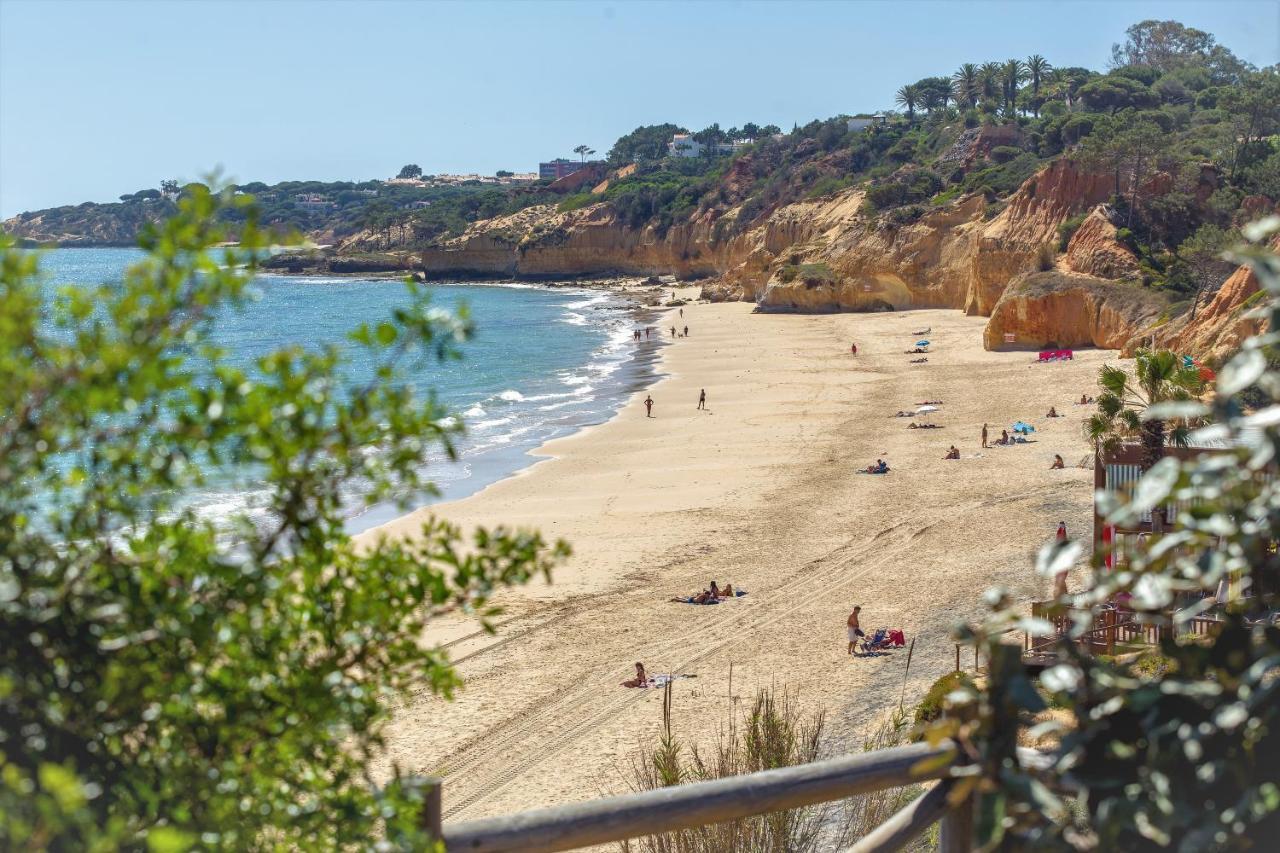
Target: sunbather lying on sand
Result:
[[714, 595], [929, 403], [923, 331], [919, 360], [902, 414], [914, 351], [881, 467]]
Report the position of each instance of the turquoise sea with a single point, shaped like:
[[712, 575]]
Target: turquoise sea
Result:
[[546, 361]]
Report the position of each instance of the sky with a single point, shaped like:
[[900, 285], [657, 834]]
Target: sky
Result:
[[103, 98]]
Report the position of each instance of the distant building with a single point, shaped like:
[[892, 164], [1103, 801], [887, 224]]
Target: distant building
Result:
[[557, 169], [862, 122], [314, 202], [684, 145]]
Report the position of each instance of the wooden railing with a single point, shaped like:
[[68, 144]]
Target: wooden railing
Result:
[[618, 818], [1115, 627]]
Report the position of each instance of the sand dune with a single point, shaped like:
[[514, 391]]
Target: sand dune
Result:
[[761, 490]]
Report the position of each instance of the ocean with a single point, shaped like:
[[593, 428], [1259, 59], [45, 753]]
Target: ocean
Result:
[[545, 362]]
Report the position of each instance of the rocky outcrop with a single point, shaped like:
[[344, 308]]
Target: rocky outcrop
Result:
[[949, 258], [1220, 326], [1055, 309], [1094, 249], [87, 224]]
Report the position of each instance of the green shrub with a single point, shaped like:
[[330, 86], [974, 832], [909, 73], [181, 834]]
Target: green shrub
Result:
[[166, 682], [1004, 153], [1068, 229], [930, 707], [576, 201]]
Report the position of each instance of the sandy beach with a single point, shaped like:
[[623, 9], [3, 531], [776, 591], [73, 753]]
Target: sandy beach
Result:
[[761, 490]]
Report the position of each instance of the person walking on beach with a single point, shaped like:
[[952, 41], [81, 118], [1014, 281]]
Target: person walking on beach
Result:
[[853, 348], [855, 631], [1062, 531], [681, 312], [686, 331], [702, 399], [647, 329], [673, 331], [648, 406]]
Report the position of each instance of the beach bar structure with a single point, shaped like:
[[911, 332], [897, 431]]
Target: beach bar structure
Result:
[[1117, 471]]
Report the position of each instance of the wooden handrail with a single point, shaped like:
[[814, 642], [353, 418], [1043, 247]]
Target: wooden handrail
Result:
[[701, 803], [907, 824]]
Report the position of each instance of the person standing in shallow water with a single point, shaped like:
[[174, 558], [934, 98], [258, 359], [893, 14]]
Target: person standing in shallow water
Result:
[[702, 399], [648, 406]]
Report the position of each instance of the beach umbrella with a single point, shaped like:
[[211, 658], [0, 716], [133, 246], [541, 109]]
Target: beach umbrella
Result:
[[926, 409], [922, 343]]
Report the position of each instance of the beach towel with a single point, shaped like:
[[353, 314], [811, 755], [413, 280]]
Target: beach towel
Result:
[[737, 593], [664, 680]]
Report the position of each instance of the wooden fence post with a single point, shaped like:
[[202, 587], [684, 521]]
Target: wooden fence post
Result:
[[433, 807], [956, 830]]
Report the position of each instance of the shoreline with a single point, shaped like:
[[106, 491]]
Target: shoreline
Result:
[[644, 369], [762, 492]]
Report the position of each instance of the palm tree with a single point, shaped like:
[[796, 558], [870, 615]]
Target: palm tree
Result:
[[989, 79], [966, 84], [1012, 73], [1159, 376], [1037, 69], [909, 97]]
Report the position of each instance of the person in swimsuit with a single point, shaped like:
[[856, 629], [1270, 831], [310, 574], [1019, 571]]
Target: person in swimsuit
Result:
[[641, 680], [702, 399], [1058, 464], [984, 435], [855, 630], [648, 406]]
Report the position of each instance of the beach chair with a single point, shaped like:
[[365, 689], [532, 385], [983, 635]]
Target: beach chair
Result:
[[1066, 355], [876, 642], [1046, 355]]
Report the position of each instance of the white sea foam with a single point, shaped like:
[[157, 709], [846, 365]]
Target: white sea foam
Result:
[[474, 412], [575, 380], [492, 423], [511, 396]]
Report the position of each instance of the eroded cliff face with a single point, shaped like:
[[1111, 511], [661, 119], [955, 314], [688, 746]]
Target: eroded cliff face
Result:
[[950, 257], [1063, 310], [1094, 249], [1220, 326]]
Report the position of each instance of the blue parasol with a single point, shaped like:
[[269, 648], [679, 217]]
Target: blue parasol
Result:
[[922, 343]]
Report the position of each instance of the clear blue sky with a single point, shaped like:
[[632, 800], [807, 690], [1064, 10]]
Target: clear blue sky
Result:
[[102, 98]]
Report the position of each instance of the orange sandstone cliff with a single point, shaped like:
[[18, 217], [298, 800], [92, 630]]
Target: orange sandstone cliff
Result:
[[1003, 263]]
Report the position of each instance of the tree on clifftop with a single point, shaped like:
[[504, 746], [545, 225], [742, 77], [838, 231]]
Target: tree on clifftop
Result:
[[583, 152], [413, 170], [909, 97]]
